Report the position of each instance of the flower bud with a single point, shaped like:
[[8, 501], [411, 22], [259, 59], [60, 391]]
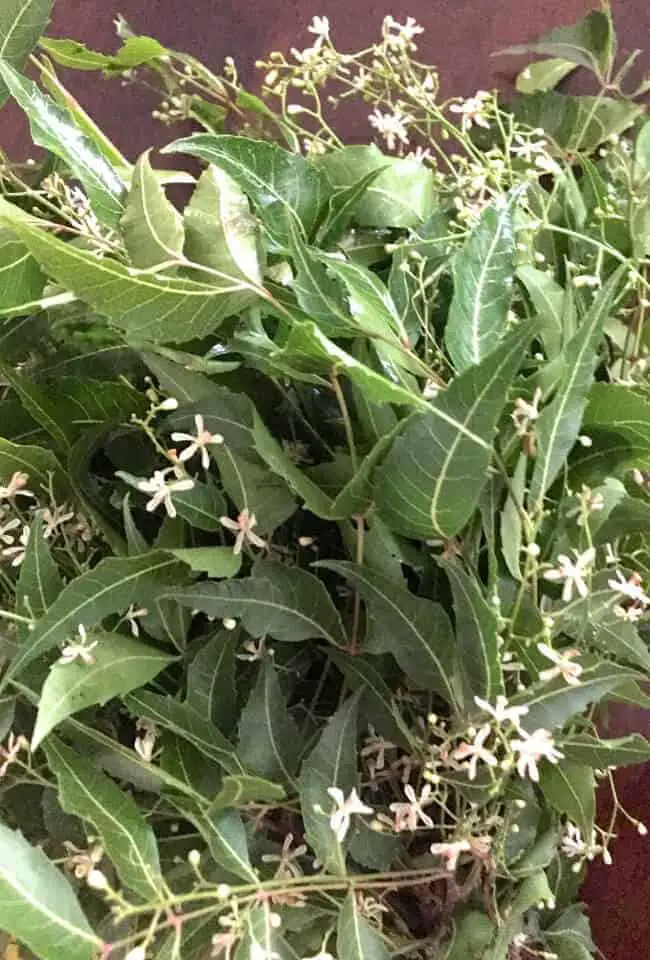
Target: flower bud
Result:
[[171, 403], [138, 953], [97, 880], [229, 623], [194, 858]]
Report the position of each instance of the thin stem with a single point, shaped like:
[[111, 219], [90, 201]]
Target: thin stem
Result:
[[345, 414]]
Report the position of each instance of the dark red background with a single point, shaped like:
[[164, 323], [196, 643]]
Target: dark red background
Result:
[[460, 37]]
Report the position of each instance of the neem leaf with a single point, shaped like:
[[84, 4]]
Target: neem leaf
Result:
[[120, 664], [284, 602], [431, 481], [39, 906], [576, 123], [125, 835], [109, 588], [332, 763], [211, 680], [22, 278], [476, 636], [53, 128], [356, 939], [151, 225], [39, 582], [483, 272], [416, 631], [559, 423], [270, 744], [21, 24], [594, 752], [280, 184], [587, 43], [146, 307], [225, 835], [543, 75], [570, 788], [186, 722]]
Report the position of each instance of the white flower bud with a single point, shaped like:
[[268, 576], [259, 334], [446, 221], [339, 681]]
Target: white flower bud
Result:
[[642, 830], [229, 623], [585, 441], [223, 891], [194, 858], [275, 920], [138, 953], [171, 403], [97, 880]]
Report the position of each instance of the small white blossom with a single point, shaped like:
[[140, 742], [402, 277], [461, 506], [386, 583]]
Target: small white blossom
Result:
[[501, 711], [145, 742], [573, 573], [137, 953], [409, 814], [320, 26], [9, 753], [54, 517], [399, 36], [161, 490], [586, 280], [631, 589], [564, 665], [97, 880], [16, 487], [473, 110], [6, 530], [345, 808], [527, 149], [198, 443], [243, 527], [81, 862], [391, 126], [526, 413], [17, 552], [81, 650], [531, 749], [132, 616], [476, 751], [450, 852]]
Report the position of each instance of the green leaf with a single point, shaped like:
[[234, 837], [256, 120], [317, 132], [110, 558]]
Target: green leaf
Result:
[[552, 704], [224, 833], [533, 890], [120, 664], [377, 698], [570, 788], [332, 763], [431, 481], [270, 744], [202, 506], [581, 748], [587, 43], [559, 423], [220, 231], [211, 687], [342, 206], [483, 272], [576, 123], [144, 306], [279, 184], [53, 128], [39, 906], [109, 588], [251, 487], [39, 464], [242, 788], [476, 637], [403, 194], [473, 932], [262, 939], [187, 723], [124, 834], [151, 226], [618, 419], [21, 24], [356, 939], [39, 582], [284, 602], [417, 632], [22, 278], [549, 301], [135, 52], [511, 525], [215, 561], [543, 75], [37, 403], [307, 350]]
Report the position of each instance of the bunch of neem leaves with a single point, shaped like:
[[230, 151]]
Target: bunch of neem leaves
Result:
[[323, 503]]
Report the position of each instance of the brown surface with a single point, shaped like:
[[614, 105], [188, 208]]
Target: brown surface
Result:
[[461, 35]]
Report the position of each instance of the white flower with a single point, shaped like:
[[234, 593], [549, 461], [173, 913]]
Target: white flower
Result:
[[527, 149], [408, 814], [531, 749], [572, 573], [81, 650], [320, 26], [450, 852], [399, 36], [200, 442], [564, 665], [501, 711], [6, 535], [145, 742], [586, 280], [258, 952], [55, 518], [161, 490], [391, 126], [345, 808], [97, 880], [473, 110], [9, 753], [15, 487], [526, 413], [137, 953], [243, 527], [476, 751], [631, 588], [17, 552], [81, 862], [132, 615]]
